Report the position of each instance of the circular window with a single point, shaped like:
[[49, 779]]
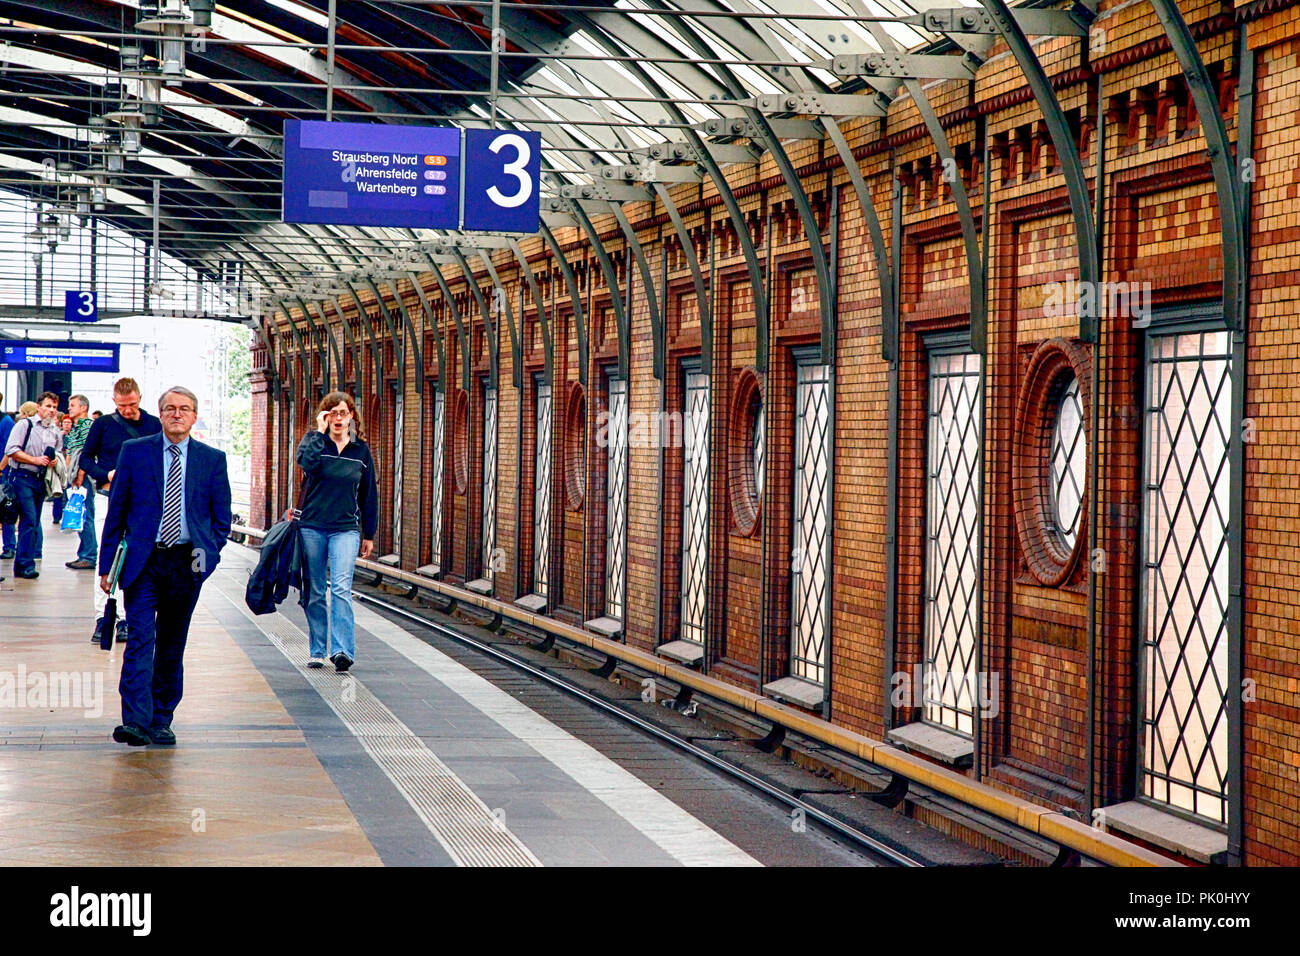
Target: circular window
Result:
[[575, 447], [1050, 461], [746, 453], [460, 441]]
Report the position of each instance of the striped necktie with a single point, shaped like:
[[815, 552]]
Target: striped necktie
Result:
[[173, 500]]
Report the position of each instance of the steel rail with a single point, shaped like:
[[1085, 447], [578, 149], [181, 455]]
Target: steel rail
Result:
[[838, 826]]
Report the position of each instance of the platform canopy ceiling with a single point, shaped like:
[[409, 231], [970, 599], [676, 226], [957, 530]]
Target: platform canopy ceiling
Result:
[[101, 100]]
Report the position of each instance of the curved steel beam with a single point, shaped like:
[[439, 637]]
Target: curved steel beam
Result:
[[543, 317], [489, 325], [358, 366], [398, 346], [697, 274], [411, 337], [575, 298], [1076, 186], [458, 319], [333, 345], [1220, 152], [611, 280], [437, 329], [516, 348], [368, 333], [647, 280]]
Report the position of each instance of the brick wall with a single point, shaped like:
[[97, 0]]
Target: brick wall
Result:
[[1161, 229]]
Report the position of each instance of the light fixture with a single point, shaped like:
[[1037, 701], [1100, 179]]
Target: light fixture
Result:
[[202, 12], [171, 24]]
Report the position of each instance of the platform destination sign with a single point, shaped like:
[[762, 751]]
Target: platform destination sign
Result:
[[80, 306], [362, 174], [59, 356]]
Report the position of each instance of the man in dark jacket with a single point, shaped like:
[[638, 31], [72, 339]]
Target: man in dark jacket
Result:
[[10, 538], [99, 460]]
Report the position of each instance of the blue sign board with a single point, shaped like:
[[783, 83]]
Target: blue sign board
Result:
[[501, 173], [59, 356], [362, 174], [80, 306]]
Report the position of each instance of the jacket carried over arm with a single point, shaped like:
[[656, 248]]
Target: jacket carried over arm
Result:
[[339, 491]]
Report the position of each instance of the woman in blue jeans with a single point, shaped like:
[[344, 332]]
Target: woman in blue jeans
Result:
[[340, 512]]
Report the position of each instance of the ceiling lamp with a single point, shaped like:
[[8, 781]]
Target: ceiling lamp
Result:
[[171, 23]]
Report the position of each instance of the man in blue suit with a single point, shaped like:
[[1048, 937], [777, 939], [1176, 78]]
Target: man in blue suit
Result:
[[170, 500]]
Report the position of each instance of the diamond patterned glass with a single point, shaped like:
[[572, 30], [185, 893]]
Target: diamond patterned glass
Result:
[[1069, 464], [616, 501], [1183, 728], [398, 411], [811, 564], [489, 479], [757, 442], [695, 507], [953, 528], [435, 527], [542, 494]]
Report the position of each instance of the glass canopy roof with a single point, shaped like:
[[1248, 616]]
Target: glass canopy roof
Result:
[[95, 111]]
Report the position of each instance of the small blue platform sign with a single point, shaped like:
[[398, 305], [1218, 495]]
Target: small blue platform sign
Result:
[[418, 177], [80, 306], [501, 188]]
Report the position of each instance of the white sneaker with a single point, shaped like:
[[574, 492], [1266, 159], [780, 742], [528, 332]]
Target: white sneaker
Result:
[[316, 662]]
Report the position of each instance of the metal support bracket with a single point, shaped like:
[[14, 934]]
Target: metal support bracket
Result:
[[687, 153], [605, 670], [650, 171], [1041, 23], [916, 66], [817, 104], [774, 739], [781, 128], [606, 192]]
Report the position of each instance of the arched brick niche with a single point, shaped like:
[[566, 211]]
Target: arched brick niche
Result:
[[1050, 461], [745, 453]]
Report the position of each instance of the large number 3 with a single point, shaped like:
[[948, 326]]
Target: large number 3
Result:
[[517, 169], [87, 303]]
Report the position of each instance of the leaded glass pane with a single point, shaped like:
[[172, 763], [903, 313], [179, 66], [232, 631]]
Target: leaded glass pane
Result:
[[616, 501], [489, 480], [953, 528], [695, 509], [811, 564], [542, 494], [435, 525], [1069, 464], [1183, 731]]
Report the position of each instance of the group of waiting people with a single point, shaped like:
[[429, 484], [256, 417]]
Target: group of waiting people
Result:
[[174, 513]]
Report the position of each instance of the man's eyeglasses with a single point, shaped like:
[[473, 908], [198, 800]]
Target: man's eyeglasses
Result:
[[177, 410]]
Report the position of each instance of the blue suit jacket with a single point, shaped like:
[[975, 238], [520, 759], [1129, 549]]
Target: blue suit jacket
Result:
[[135, 504]]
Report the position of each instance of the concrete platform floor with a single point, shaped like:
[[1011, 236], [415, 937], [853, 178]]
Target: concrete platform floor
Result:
[[418, 756]]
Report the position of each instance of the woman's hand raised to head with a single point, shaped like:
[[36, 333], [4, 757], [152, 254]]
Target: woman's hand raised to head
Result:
[[322, 421]]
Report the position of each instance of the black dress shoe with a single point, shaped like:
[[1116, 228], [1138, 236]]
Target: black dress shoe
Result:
[[162, 736], [7, 554], [341, 661], [122, 633], [27, 575], [132, 734]]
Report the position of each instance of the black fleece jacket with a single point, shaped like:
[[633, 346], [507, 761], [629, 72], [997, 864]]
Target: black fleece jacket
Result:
[[339, 492]]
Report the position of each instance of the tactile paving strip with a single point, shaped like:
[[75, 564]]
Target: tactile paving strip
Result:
[[457, 818]]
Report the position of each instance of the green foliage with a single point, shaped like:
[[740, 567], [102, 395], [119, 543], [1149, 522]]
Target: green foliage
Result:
[[241, 428]]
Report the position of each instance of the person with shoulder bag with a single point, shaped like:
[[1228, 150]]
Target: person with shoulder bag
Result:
[[338, 516], [33, 444]]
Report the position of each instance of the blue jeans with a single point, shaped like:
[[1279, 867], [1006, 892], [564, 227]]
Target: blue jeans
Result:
[[57, 507], [89, 550], [8, 537], [332, 553], [30, 490]]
